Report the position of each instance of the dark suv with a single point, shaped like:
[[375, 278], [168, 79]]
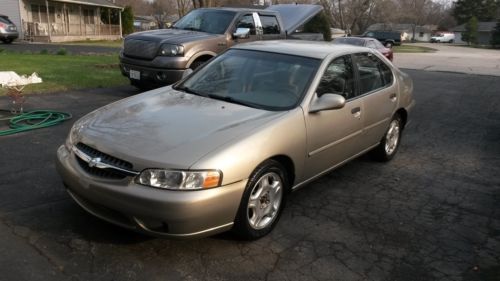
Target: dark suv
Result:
[[8, 30], [388, 38]]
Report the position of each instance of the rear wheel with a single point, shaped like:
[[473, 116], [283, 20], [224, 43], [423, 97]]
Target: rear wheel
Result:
[[389, 144], [7, 40], [451, 41], [262, 202], [389, 44], [141, 85]]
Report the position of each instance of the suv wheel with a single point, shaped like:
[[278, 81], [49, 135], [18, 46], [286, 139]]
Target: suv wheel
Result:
[[388, 44], [196, 64], [141, 85]]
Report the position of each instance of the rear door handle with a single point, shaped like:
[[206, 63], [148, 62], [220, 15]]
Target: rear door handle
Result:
[[356, 111], [393, 97]]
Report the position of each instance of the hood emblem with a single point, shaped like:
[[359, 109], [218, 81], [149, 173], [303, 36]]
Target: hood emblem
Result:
[[94, 162]]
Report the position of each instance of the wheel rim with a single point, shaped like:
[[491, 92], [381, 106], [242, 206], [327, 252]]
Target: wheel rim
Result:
[[392, 137], [265, 201]]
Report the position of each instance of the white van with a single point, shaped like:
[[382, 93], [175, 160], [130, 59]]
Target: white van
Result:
[[443, 37]]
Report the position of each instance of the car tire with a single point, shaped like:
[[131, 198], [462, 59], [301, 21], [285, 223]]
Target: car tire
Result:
[[388, 44], [7, 41], [262, 202], [389, 144], [141, 85], [451, 41]]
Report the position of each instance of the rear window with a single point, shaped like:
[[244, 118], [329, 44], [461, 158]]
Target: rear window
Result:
[[5, 19], [350, 41]]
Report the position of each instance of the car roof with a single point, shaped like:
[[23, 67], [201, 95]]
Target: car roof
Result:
[[312, 49], [237, 9]]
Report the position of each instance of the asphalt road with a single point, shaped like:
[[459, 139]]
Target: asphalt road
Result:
[[452, 58], [433, 213]]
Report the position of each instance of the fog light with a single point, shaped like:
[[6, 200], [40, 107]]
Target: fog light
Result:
[[161, 76]]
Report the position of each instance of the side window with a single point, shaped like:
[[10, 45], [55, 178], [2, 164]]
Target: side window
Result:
[[247, 22], [269, 24], [338, 78], [373, 73]]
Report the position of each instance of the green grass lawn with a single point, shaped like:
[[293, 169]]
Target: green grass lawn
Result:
[[64, 72], [408, 48]]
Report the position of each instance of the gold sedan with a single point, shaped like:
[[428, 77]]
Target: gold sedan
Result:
[[222, 148]]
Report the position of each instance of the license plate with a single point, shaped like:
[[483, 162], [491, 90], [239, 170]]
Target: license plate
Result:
[[134, 74]]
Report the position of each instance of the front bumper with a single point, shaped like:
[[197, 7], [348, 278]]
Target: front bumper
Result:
[[156, 76], [9, 35], [160, 70], [167, 213]]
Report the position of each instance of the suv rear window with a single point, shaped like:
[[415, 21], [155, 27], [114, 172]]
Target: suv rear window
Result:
[[5, 19]]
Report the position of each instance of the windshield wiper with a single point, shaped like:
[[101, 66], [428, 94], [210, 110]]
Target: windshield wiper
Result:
[[231, 100], [188, 90], [192, 28]]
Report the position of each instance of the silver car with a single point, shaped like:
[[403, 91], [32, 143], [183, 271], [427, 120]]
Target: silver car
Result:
[[223, 148], [8, 30]]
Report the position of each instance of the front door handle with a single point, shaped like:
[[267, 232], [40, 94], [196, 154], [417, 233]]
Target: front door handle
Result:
[[356, 111], [393, 97]]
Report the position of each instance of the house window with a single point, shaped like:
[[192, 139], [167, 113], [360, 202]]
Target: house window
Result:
[[39, 13], [421, 34], [88, 16]]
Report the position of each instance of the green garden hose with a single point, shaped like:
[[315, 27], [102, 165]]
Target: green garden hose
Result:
[[34, 120]]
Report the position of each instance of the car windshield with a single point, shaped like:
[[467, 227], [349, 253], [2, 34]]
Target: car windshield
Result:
[[257, 79], [350, 41], [210, 21]]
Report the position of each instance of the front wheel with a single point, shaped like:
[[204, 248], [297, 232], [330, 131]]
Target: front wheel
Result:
[[388, 44], [389, 144], [262, 202]]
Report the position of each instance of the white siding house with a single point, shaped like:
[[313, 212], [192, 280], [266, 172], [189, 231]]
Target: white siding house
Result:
[[64, 20]]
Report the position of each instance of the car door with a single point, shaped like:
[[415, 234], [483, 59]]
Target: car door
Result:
[[378, 94], [247, 21], [333, 135]]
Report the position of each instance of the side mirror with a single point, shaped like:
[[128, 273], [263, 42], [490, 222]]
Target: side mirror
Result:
[[327, 102], [242, 33]]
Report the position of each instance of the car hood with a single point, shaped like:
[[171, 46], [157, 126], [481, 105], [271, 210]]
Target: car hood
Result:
[[172, 36], [166, 128], [293, 16]]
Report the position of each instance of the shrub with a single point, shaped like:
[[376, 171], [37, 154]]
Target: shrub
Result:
[[62, 52]]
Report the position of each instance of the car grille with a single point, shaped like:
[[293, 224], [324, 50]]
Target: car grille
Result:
[[109, 173], [140, 49]]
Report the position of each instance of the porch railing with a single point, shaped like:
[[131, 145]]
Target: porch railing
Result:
[[60, 29]]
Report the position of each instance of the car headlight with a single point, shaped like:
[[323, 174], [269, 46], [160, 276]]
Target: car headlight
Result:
[[171, 50], [179, 180]]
